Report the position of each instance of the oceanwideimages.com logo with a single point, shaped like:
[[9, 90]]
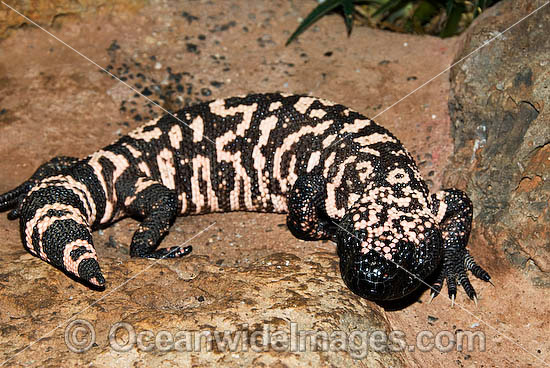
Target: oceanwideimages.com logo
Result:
[[80, 336]]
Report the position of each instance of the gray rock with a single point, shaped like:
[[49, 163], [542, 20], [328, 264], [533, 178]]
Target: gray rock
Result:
[[499, 105]]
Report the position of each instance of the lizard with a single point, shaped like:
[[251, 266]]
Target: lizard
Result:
[[336, 174]]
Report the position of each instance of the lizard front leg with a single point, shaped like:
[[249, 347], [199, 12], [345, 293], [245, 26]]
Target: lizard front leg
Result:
[[157, 205], [453, 210], [307, 218]]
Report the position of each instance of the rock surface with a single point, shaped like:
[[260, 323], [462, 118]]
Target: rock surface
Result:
[[500, 106], [55, 13], [246, 270]]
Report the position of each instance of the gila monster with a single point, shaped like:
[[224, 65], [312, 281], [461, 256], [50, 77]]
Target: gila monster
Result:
[[336, 173]]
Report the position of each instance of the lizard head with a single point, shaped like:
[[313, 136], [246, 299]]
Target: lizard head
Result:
[[384, 256]]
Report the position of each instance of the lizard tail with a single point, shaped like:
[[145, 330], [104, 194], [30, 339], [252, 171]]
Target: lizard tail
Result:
[[55, 216]]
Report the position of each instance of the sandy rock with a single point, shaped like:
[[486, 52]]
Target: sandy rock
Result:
[[246, 270], [279, 310], [54, 13]]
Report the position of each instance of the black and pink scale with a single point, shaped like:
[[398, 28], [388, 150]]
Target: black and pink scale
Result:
[[336, 173]]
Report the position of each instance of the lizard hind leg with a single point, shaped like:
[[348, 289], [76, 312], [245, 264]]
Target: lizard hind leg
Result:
[[13, 198], [157, 205]]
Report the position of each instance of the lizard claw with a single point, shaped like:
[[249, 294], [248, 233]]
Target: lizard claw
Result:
[[172, 252], [454, 271]]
